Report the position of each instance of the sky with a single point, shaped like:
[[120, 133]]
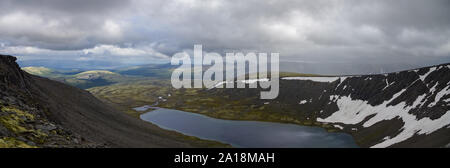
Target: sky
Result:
[[151, 31]]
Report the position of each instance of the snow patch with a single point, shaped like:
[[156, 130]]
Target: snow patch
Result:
[[419, 101], [433, 89], [355, 111], [315, 79], [422, 77], [439, 95], [447, 100], [303, 102], [333, 97], [250, 81], [342, 79], [388, 84], [221, 83]]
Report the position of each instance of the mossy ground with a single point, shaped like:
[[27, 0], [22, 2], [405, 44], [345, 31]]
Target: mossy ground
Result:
[[9, 142], [15, 121], [131, 95]]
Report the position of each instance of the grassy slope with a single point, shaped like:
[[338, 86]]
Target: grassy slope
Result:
[[160, 71], [126, 96], [42, 71]]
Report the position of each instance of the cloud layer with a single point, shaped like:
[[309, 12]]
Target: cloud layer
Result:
[[300, 30]]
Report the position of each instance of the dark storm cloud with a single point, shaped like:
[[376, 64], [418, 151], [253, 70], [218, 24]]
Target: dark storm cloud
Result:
[[399, 14], [301, 30], [64, 6], [59, 25], [307, 29]]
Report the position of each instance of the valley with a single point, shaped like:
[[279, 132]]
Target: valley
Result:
[[258, 81], [39, 112]]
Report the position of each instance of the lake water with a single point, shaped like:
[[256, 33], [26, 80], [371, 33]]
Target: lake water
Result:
[[247, 133]]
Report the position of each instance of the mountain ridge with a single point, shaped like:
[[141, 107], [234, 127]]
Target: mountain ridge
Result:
[[408, 108]]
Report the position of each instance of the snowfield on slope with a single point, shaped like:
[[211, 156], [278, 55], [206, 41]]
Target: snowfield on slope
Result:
[[354, 111], [316, 79]]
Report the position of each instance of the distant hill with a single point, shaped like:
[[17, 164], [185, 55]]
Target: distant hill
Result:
[[41, 71], [83, 79], [93, 78], [163, 71]]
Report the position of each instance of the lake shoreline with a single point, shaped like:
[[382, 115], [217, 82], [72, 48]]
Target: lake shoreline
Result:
[[342, 137]]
